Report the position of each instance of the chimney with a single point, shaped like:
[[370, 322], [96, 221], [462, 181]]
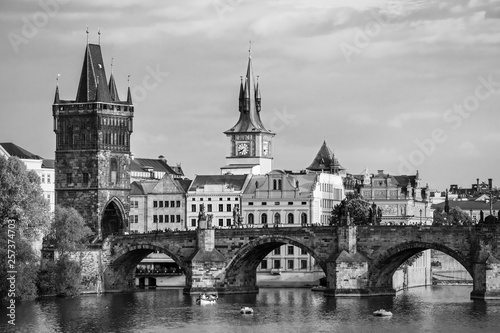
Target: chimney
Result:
[[490, 183], [162, 158], [477, 182]]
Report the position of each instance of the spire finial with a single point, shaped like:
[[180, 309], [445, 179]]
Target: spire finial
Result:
[[99, 33], [241, 78], [57, 80], [128, 80], [87, 32], [112, 66], [250, 48]]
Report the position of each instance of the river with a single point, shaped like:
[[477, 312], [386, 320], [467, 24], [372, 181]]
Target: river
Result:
[[424, 309]]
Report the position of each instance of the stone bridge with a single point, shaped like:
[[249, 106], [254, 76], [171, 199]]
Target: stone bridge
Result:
[[357, 260]]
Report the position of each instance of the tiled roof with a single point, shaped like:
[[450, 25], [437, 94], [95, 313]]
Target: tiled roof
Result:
[[325, 160], [93, 84], [235, 181], [158, 165], [14, 150], [48, 164]]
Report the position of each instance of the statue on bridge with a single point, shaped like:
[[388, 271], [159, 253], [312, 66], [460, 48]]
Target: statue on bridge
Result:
[[237, 219], [202, 218]]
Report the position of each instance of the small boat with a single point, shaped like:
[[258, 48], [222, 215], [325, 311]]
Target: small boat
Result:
[[207, 299], [246, 310], [382, 313]]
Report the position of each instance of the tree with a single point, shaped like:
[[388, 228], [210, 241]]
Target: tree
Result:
[[356, 206], [21, 205], [69, 233], [456, 216]]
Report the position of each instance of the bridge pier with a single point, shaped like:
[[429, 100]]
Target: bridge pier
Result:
[[486, 279], [347, 270]]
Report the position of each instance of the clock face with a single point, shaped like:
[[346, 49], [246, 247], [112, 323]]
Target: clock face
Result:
[[242, 149]]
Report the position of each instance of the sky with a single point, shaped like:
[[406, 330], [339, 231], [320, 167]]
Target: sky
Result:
[[390, 85]]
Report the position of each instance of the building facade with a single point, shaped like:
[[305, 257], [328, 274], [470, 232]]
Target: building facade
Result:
[[158, 205], [92, 158]]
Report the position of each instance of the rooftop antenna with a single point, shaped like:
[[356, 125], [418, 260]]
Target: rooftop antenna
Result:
[[99, 38], [87, 32]]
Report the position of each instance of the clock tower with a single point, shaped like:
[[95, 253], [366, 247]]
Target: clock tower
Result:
[[250, 142]]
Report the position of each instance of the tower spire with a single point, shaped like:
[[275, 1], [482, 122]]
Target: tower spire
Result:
[[129, 94], [56, 97], [87, 32], [113, 91], [99, 36]]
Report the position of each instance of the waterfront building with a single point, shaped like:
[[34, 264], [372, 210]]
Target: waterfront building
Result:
[[473, 208], [92, 158], [401, 198], [149, 168], [219, 196], [158, 204], [43, 167]]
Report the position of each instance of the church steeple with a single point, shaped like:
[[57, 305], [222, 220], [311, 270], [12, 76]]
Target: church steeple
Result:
[[93, 77]]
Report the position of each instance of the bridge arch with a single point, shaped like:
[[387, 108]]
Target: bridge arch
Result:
[[121, 271], [382, 268], [243, 266]]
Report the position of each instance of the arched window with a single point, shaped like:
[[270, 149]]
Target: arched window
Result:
[[279, 184], [303, 219], [263, 218], [290, 218], [250, 218], [274, 184], [277, 218]]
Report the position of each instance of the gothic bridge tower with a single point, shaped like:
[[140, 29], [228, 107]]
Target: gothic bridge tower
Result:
[[92, 162], [250, 142]]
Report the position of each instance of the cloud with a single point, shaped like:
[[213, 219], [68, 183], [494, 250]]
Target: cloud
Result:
[[401, 119]]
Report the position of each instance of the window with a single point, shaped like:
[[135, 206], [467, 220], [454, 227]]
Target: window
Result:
[[250, 218], [303, 218], [166, 219], [160, 203], [277, 218], [274, 184], [193, 208], [290, 218], [235, 199], [85, 178], [228, 222], [172, 203], [277, 250], [228, 199], [250, 203], [166, 204], [264, 203], [263, 218], [303, 264], [209, 199], [220, 199], [209, 208], [290, 263], [160, 218], [69, 179], [304, 203], [290, 203], [201, 199], [43, 178], [228, 207], [263, 264], [155, 218], [290, 249], [178, 218], [277, 263], [172, 218], [279, 184], [221, 207], [277, 203], [221, 222], [48, 178], [193, 222], [155, 204], [303, 251], [178, 203], [113, 177]]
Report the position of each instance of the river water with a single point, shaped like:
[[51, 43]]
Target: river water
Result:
[[424, 309]]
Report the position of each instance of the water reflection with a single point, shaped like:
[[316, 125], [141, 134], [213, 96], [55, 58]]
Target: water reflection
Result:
[[446, 309]]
